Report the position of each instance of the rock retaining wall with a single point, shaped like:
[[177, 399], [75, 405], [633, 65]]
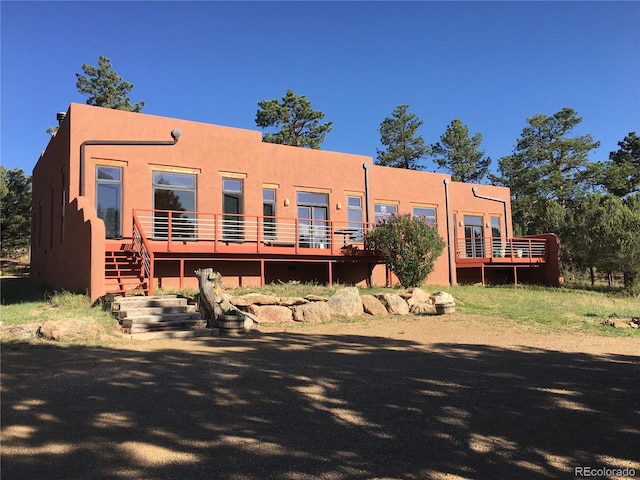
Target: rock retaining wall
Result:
[[345, 303]]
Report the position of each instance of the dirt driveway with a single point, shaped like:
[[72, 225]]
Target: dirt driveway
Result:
[[443, 398]]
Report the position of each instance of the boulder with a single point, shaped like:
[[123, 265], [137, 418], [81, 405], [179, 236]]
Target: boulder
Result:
[[291, 301], [422, 308], [314, 312], [418, 296], [271, 313], [438, 298], [316, 298], [346, 303], [395, 304], [373, 306], [70, 329], [254, 299]]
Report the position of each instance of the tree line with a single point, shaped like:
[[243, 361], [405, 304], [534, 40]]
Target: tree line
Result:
[[594, 207]]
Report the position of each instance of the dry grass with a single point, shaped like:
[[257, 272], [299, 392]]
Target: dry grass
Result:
[[542, 309]]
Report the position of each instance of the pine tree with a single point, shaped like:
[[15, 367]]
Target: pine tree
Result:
[[299, 125], [399, 134], [460, 155], [105, 87]]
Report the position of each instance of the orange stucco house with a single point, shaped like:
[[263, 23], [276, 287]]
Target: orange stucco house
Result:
[[128, 202]]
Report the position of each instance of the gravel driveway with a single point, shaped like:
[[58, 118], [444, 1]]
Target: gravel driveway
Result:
[[385, 399]]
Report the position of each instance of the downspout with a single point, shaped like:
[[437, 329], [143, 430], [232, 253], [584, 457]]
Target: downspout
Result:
[[175, 133], [446, 203], [366, 194], [504, 204], [365, 166]]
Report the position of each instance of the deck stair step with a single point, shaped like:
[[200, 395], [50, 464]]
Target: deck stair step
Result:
[[162, 316], [123, 273]]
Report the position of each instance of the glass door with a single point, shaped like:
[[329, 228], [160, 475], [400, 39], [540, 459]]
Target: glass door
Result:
[[313, 227], [473, 236], [232, 221]]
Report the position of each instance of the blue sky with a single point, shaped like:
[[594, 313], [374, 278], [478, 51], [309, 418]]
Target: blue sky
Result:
[[491, 64]]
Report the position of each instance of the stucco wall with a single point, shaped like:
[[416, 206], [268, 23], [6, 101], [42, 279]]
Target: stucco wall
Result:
[[212, 152]]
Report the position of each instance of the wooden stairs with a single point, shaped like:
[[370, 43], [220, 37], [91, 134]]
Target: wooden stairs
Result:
[[162, 316], [123, 273]]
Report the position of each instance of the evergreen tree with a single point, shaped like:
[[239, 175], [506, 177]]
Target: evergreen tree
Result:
[[399, 134], [105, 87], [603, 232], [15, 211], [299, 125], [460, 155], [621, 174], [547, 164]]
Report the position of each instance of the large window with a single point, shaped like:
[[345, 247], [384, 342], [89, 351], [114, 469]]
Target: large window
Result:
[[354, 215], [175, 193], [233, 208], [429, 213], [313, 227], [384, 211], [269, 213], [109, 199]]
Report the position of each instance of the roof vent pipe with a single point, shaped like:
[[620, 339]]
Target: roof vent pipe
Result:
[[60, 116]]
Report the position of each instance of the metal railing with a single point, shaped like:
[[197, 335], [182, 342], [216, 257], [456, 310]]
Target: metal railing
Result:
[[141, 248], [496, 248], [176, 226]]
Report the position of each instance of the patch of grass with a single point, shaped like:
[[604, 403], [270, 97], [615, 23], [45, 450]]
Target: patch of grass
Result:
[[550, 309], [27, 302], [544, 309]]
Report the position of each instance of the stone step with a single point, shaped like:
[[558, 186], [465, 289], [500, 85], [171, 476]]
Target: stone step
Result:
[[195, 332], [163, 326], [128, 303], [160, 316], [158, 319], [146, 311]]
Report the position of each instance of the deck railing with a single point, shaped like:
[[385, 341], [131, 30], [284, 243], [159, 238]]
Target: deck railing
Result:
[[175, 226], [501, 248], [141, 248]]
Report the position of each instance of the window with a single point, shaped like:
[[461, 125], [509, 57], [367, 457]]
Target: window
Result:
[[269, 213], [232, 224], [51, 222], [354, 216], [429, 213], [40, 223], [496, 236], [174, 196], [63, 201], [496, 230], [313, 227], [384, 211], [109, 199]]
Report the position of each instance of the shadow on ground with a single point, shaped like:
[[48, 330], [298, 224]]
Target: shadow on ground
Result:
[[297, 406]]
